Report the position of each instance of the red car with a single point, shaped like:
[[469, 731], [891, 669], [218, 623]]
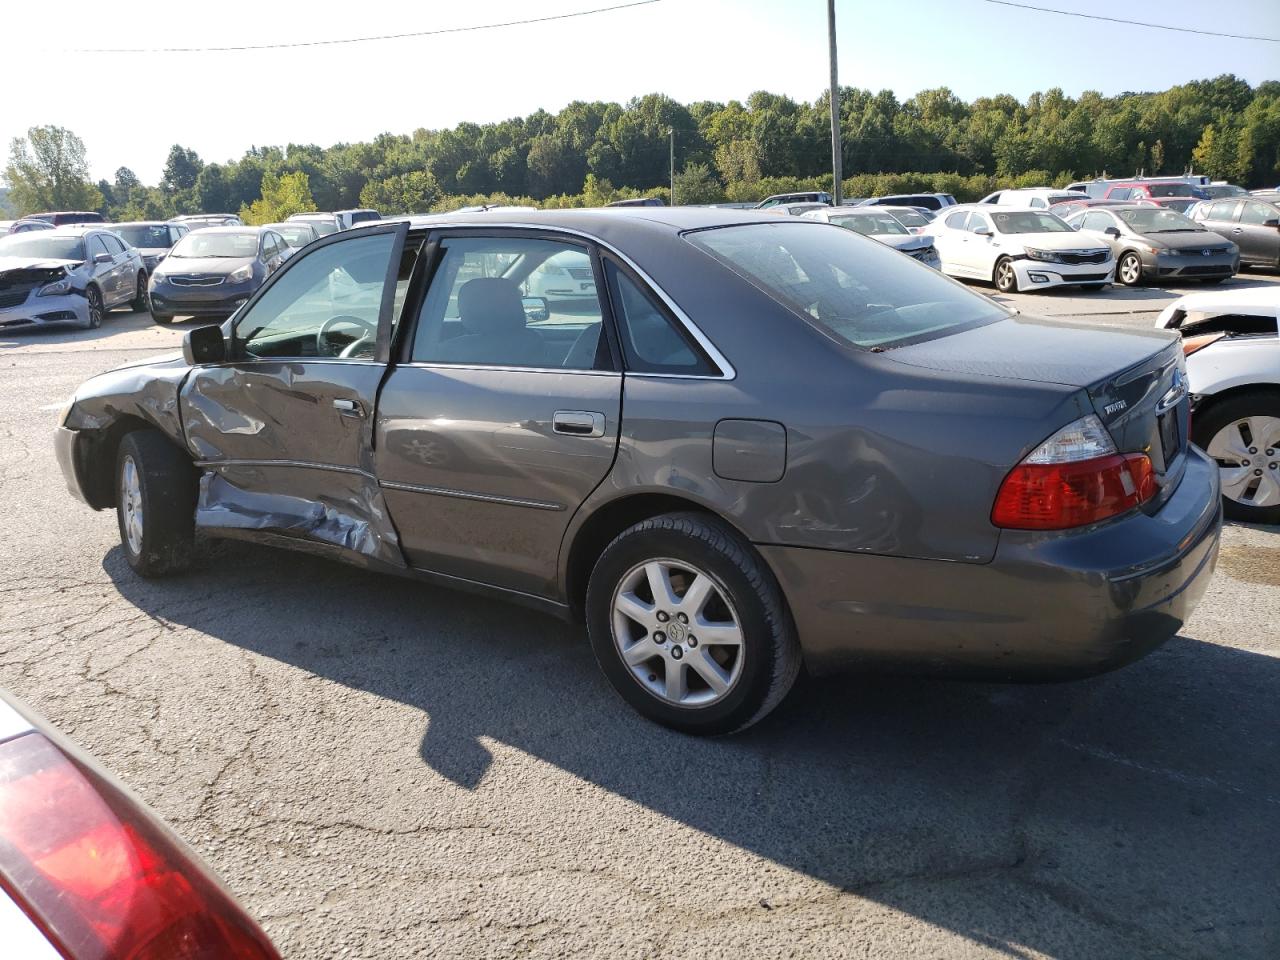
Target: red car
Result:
[[1174, 194], [87, 872]]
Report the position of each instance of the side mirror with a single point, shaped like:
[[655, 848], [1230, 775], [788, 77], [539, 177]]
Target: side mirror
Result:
[[536, 308], [102, 258], [204, 345], [1112, 232], [982, 231]]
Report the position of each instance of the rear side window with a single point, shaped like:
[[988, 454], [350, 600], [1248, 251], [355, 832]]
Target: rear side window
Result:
[[652, 341], [1255, 212]]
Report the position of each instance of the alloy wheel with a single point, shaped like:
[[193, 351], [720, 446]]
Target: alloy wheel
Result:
[[1006, 280], [131, 503], [1248, 455], [677, 632], [95, 308], [1130, 269]]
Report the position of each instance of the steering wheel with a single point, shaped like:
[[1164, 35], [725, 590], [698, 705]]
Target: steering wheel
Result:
[[322, 342]]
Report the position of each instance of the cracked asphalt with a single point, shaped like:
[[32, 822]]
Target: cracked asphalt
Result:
[[379, 768]]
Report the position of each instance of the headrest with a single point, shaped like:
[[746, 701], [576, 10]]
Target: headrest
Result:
[[491, 305]]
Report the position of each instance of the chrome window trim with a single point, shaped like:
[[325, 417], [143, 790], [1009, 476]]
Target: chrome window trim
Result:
[[508, 368], [728, 371]]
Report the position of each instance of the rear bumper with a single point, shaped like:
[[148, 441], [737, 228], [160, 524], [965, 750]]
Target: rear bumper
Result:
[[1049, 606]]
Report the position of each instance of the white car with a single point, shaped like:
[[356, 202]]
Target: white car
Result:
[[1038, 198], [1233, 370], [1018, 250], [566, 276], [881, 225]]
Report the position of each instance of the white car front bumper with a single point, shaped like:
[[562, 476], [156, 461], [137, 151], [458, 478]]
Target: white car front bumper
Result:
[[1040, 275]]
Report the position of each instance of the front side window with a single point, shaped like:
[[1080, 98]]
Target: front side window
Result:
[[97, 247], [978, 222], [1029, 223], [114, 245], [865, 294], [652, 340], [1096, 221], [1223, 210], [326, 304], [512, 302], [956, 220]]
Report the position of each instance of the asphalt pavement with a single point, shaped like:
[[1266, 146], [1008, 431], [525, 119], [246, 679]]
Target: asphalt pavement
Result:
[[379, 768]]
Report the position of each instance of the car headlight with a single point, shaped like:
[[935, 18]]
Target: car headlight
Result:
[[240, 274], [59, 288], [1148, 247], [1045, 256]]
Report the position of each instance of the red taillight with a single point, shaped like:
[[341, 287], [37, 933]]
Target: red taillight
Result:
[[100, 876], [1055, 496]]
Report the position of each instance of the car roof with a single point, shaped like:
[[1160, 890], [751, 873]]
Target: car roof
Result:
[[592, 219], [230, 228], [130, 223]]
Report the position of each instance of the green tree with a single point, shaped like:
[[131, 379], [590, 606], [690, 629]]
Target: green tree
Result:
[[48, 171], [282, 196], [401, 193], [697, 184]]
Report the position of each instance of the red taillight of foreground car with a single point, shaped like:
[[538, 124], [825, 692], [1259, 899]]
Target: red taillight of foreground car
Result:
[[100, 876], [1074, 478], [1056, 496]]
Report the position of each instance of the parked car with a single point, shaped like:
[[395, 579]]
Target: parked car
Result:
[[717, 513], [23, 226], [65, 218], [1233, 368], [1098, 187], [1019, 250], [1174, 194], [1152, 243], [564, 276], [1220, 191], [930, 201], [796, 209], [211, 272], [349, 218], [1039, 198], [151, 238], [69, 274], [1252, 223], [297, 233], [640, 202], [804, 196], [1066, 208], [324, 223], [915, 219], [88, 872], [879, 224], [203, 221]]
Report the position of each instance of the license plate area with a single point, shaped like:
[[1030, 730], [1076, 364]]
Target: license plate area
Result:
[[1170, 434]]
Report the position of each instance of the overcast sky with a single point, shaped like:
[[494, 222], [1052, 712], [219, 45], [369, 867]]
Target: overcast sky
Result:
[[129, 108]]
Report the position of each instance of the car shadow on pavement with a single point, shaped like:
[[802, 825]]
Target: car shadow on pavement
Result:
[[1135, 814]]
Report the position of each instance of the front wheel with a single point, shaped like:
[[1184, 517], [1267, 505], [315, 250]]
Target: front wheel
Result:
[[1006, 278], [1242, 433], [155, 504], [139, 303], [690, 626], [96, 308], [1129, 270]]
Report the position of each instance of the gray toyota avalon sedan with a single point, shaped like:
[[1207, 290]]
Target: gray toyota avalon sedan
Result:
[[763, 442]]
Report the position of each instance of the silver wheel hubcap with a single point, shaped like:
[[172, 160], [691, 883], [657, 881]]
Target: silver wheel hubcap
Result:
[[1130, 269], [131, 503], [1004, 278], [1248, 455], [677, 632]]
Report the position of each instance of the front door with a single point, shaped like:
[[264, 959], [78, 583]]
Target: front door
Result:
[[283, 429], [502, 415]]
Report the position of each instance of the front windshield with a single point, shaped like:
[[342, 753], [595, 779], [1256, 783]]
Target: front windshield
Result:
[[37, 244], [859, 291], [1156, 220], [143, 235], [1029, 223], [206, 243], [1170, 190], [295, 235], [869, 224]]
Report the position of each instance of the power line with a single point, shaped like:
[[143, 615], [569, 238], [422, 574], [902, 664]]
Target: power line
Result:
[[1132, 23], [385, 36]]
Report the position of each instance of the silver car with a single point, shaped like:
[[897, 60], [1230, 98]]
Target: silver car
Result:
[[1155, 243], [68, 274], [765, 441]]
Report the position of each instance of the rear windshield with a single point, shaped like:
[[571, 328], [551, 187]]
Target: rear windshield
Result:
[[295, 235], [1170, 190], [1029, 223], [143, 234], [204, 243], [869, 224], [859, 290], [38, 244], [910, 218], [323, 227]]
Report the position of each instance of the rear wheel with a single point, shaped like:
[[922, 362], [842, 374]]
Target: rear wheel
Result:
[[689, 625], [1129, 269], [155, 504], [140, 296], [96, 308], [1006, 278], [1242, 433]]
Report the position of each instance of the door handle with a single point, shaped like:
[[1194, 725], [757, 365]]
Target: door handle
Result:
[[1238, 230], [348, 408], [578, 423]]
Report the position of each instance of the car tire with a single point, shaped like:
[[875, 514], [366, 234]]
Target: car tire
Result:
[[1129, 269], [156, 489], [1004, 276], [140, 301], [161, 318], [97, 309], [1226, 430], [659, 666]]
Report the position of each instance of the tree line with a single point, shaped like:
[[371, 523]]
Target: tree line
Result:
[[593, 152]]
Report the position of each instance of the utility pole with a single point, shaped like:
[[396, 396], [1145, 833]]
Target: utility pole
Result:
[[673, 166], [837, 178]]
